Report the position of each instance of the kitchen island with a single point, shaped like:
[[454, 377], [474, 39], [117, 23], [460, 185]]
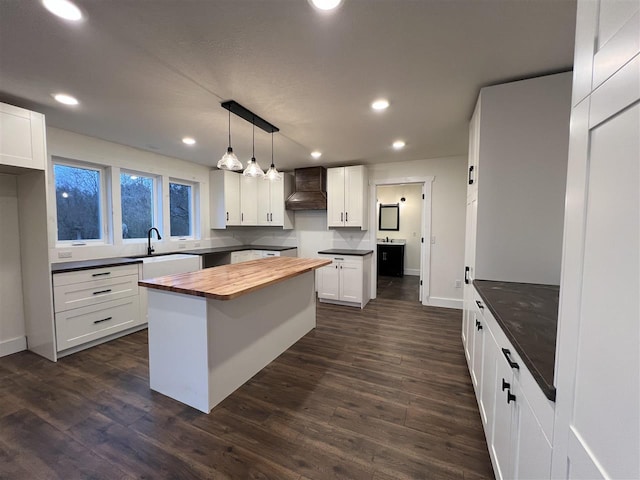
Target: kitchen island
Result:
[[210, 331]]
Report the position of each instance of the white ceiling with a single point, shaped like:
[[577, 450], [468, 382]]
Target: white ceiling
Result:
[[148, 72]]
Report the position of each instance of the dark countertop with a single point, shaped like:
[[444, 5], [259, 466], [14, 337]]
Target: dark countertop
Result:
[[528, 315], [236, 248], [89, 264], [343, 251]]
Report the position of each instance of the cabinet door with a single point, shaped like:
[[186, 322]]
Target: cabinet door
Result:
[[531, 451], [232, 198], [488, 381], [335, 197], [354, 193], [501, 431], [22, 138], [474, 152], [351, 282], [276, 215], [248, 200], [329, 281], [478, 351], [264, 202]]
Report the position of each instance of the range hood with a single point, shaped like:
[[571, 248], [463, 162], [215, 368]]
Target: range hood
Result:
[[311, 190]]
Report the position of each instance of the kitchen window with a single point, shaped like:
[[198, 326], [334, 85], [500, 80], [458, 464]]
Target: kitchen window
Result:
[[182, 201], [139, 204], [80, 202]]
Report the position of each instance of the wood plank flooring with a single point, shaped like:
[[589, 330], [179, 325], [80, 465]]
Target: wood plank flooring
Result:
[[381, 393], [399, 288]]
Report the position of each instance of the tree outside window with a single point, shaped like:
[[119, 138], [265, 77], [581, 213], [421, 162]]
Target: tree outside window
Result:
[[78, 203], [137, 201], [181, 209]]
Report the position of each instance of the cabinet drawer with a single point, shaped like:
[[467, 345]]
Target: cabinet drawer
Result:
[[82, 325], [94, 274], [76, 295]]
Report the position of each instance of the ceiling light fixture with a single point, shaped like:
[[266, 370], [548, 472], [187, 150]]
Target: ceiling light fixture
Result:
[[272, 173], [380, 104], [326, 4], [253, 169], [229, 161], [398, 144], [316, 154], [65, 99], [63, 9], [189, 141]]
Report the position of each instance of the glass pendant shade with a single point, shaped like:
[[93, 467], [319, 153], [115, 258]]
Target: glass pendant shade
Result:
[[229, 161], [253, 169], [272, 174]]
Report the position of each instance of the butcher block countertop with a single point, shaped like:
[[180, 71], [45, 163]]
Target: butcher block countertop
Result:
[[231, 281]]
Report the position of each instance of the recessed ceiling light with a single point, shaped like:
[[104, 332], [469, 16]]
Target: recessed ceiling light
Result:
[[398, 144], [316, 154], [326, 4], [188, 141], [63, 9], [380, 104], [64, 98]]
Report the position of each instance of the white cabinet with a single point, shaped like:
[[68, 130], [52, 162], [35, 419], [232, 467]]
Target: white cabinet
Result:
[[224, 194], [249, 200], [347, 194], [22, 138], [246, 255], [271, 197], [596, 433], [474, 151], [346, 280], [93, 304]]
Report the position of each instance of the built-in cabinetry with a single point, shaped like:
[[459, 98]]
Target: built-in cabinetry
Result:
[[346, 280], [22, 138], [239, 200], [516, 416], [347, 194], [391, 259], [596, 433], [96, 303]]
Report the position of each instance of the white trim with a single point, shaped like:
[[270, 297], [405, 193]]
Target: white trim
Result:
[[412, 272], [425, 254], [13, 345], [445, 302]]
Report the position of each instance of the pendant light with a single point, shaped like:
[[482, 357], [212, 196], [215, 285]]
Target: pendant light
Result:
[[229, 161], [272, 174], [253, 169]]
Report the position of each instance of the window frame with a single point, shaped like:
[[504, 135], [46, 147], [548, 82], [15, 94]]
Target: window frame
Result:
[[193, 209], [156, 202], [104, 204]]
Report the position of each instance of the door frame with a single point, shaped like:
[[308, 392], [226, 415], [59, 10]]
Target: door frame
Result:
[[425, 229]]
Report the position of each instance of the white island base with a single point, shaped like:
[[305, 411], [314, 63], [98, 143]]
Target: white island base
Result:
[[201, 349]]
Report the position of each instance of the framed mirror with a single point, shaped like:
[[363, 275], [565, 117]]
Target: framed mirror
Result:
[[389, 217]]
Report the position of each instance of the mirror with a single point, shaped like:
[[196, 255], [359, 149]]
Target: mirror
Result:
[[389, 217]]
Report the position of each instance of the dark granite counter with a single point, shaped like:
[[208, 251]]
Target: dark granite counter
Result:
[[343, 251], [89, 264], [528, 315]]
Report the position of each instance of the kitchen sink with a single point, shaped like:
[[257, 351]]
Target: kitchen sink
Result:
[[160, 265]]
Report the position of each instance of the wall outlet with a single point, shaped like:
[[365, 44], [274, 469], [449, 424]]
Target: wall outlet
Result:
[[64, 254], [458, 283]]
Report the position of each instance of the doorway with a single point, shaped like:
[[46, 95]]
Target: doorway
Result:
[[400, 214]]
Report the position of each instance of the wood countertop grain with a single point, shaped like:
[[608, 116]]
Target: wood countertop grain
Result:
[[227, 282]]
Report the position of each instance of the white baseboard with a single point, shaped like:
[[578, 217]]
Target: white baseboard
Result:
[[13, 345], [446, 302], [414, 272]]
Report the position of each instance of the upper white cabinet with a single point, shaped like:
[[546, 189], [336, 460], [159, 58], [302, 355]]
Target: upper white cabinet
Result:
[[224, 194], [271, 197], [347, 194], [22, 138], [596, 430], [239, 200], [519, 140]]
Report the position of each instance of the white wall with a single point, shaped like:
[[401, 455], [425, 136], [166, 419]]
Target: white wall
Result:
[[12, 329], [73, 146], [410, 221]]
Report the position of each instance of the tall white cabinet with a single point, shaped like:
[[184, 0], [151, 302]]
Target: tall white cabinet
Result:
[[597, 424], [347, 197]]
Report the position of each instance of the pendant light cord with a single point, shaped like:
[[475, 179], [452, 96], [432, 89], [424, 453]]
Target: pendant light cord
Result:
[[272, 148], [253, 157], [229, 128]]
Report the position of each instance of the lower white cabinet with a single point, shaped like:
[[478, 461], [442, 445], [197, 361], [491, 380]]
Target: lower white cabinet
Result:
[[246, 255], [345, 281], [516, 416], [91, 305]]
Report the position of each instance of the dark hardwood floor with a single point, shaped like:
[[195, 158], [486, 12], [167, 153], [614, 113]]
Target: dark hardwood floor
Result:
[[381, 393], [399, 288]]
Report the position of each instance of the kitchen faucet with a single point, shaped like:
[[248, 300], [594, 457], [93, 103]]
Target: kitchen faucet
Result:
[[150, 250]]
